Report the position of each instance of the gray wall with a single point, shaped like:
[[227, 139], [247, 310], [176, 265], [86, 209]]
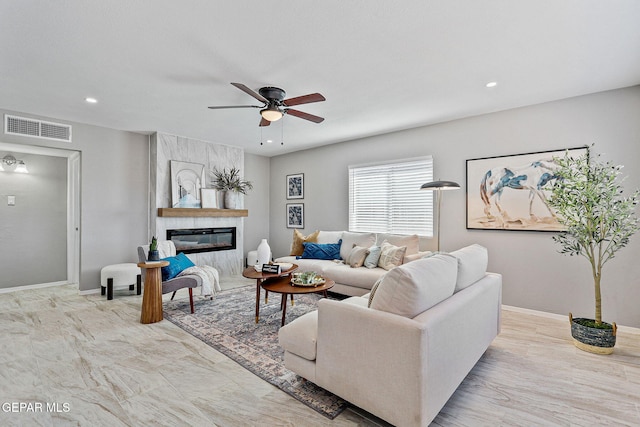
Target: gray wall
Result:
[[256, 225], [114, 193], [34, 231], [535, 275]]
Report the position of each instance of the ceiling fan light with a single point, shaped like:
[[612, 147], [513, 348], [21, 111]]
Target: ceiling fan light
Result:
[[271, 114]]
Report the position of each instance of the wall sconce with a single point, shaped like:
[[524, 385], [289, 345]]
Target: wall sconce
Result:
[[9, 160]]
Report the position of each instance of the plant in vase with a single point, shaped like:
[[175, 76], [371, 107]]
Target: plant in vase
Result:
[[230, 181], [153, 255], [599, 221]]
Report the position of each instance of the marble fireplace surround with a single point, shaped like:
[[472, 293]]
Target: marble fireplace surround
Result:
[[163, 149]]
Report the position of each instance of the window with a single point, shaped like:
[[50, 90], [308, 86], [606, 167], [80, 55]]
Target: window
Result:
[[386, 197]]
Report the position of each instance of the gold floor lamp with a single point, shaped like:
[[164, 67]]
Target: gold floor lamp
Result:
[[438, 187]]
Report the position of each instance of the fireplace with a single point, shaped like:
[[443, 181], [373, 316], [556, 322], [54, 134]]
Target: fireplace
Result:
[[193, 240]]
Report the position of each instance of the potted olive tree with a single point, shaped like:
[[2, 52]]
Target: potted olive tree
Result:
[[229, 181], [599, 220]]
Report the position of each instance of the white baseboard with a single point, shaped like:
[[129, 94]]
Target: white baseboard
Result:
[[89, 291], [37, 286]]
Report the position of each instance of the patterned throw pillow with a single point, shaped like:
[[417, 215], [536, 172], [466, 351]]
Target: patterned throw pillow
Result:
[[329, 251], [176, 265], [357, 256], [297, 247], [390, 255]]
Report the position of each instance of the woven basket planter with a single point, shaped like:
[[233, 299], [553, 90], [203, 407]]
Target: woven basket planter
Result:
[[593, 340]]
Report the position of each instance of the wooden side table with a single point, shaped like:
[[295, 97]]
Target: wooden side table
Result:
[[152, 296]]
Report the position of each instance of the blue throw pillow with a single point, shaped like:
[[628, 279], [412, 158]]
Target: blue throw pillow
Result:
[[321, 251], [176, 265]]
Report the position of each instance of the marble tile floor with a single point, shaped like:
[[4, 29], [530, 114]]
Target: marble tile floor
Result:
[[93, 363]]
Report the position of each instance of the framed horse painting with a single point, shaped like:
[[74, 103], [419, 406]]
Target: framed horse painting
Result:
[[510, 192]]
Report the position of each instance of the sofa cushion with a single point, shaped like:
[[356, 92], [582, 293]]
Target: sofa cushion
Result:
[[409, 258], [472, 265], [412, 242], [176, 265], [391, 256], [412, 288], [329, 236], [359, 239], [328, 251], [301, 335], [371, 261], [357, 277], [357, 256], [297, 247]]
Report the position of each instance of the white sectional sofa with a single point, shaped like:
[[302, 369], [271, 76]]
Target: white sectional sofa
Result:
[[401, 352], [355, 281]]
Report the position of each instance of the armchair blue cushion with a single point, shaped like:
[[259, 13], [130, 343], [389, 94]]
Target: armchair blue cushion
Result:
[[176, 265]]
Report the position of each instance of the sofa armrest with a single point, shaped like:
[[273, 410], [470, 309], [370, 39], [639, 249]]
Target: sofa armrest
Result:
[[373, 359]]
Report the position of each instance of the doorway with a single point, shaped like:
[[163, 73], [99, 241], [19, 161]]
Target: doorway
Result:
[[69, 197]]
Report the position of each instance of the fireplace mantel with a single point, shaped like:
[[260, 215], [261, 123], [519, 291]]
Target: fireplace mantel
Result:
[[201, 213]]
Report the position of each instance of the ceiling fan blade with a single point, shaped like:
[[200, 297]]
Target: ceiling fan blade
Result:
[[248, 91], [264, 122], [304, 99], [218, 107], [304, 115]]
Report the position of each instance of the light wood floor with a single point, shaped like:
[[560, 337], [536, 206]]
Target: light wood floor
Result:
[[99, 366]]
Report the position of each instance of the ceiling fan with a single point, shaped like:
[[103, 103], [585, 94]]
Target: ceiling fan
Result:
[[275, 106]]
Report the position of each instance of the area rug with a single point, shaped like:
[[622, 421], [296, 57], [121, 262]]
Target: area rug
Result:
[[227, 323]]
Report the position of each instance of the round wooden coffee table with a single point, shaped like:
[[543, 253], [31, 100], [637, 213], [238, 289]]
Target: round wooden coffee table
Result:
[[282, 285], [251, 273]]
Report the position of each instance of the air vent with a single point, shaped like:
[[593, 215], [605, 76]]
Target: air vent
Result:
[[14, 125]]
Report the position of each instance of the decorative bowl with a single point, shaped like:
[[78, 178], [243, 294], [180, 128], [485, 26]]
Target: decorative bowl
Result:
[[308, 278]]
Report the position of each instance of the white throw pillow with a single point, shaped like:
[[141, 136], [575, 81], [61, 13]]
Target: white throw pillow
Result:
[[472, 265], [358, 239], [391, 256], [412, 288]]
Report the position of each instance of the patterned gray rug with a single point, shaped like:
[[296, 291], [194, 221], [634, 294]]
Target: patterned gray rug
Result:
[[227, 323]]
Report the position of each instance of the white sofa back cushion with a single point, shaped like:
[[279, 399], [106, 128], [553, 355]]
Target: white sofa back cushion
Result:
[[412, 288], [412, 242], [472, 265], [329, 236], [349, 240]]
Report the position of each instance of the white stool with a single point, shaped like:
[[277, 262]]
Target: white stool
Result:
[[120, 275]]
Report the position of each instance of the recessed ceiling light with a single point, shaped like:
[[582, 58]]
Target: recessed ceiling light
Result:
[[91, 100], [492, 84], [269, 141]]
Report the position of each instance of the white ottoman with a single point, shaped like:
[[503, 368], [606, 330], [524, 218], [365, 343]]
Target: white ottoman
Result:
[[118, 276]]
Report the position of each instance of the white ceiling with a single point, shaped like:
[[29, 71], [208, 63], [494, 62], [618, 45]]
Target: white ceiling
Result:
[[155, 65]]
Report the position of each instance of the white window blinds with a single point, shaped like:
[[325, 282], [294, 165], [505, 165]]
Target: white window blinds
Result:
[[386, 197]]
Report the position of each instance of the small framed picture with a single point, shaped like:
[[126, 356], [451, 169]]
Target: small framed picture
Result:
[[295, 186], [295, 215], [209, 197]]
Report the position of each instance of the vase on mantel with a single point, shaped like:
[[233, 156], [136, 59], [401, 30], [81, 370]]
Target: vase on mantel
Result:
[[264, 253], [231, 199]]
